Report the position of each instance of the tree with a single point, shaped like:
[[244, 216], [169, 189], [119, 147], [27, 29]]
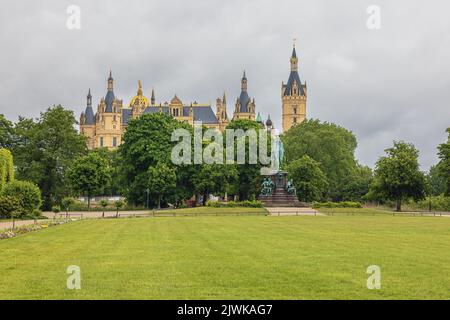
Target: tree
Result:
[[26, 192], [89, 174], [10, 207], [214, 179], [6, 132], [436, 181], [44, 151], [119, 204], [397, 175], [308, 179], [248, 182], [330, 145], [104, 203], [444, 164], [161, 181], [357, 184], [146, 143], [6, 167], [66, 203]]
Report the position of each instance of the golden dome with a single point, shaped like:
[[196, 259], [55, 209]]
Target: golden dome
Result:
[[139, 99]]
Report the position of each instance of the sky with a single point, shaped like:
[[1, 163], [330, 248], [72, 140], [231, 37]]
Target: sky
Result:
[[386, 84]]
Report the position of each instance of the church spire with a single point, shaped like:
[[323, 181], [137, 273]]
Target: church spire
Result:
[[152, 99], [110, 81], [89, 98], [294, 60], [244, 83]]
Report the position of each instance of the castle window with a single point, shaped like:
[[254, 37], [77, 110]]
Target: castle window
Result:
[[114, 142], [101, 141], [114, 118], [295, 110], [295, 120]]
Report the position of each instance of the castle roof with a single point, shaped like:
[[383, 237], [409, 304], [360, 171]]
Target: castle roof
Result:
[[244, 100], [294, 77]]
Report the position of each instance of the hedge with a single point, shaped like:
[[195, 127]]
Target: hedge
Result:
[[343, 204]]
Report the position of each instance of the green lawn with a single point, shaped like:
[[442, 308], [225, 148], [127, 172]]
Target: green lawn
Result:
[[232, 257], [355, 211]]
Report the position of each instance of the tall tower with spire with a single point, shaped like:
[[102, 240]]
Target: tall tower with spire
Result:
[[244, 107], [293, 97]]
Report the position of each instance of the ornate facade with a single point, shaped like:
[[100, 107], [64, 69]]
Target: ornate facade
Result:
[[293, 97], [105, 127]]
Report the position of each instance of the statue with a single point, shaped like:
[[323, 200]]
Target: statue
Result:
[[277, 153], [267, 187], [290, 188]]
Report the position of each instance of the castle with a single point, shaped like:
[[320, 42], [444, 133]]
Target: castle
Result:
[[106, 127]]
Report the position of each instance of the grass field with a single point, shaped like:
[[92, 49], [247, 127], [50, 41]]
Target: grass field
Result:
[[231, 257]]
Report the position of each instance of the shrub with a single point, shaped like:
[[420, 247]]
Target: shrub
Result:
[[26, 192], [9, 206], [56, 209], [440, 203], [233, 204], [67, 202], [343, 204]]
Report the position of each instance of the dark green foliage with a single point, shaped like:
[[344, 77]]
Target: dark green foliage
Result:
[[343, 204], [147, 142], [45, 149], [10, 207], [330, 145], [436, 181], [26, 192], [308, 179], [235, 204], [397, 175], [89, 175], [444, 164], [248, 183], [161, 181], [6, 132]]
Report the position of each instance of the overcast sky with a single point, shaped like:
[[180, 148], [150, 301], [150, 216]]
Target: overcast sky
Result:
[[384, 85]]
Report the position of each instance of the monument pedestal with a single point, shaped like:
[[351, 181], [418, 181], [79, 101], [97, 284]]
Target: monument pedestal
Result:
[[279, 197]]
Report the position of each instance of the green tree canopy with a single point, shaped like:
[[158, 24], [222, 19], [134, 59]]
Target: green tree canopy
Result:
[[444, 164], [161, 181], [397, 175], [437, 183], [308, 179], [89, 174], [330, 145], [248, 182], [44, 150], [146, 143], [6, 132], [26, 192]]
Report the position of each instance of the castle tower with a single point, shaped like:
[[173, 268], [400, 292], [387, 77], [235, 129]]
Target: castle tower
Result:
[[87, 122], [108, 120], [293, 96], [244, 107], [221, 112], [152, 99]]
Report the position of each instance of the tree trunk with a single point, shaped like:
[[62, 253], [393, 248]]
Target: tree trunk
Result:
[[399, 205], [89, 201], [205, 196], [159, 201]]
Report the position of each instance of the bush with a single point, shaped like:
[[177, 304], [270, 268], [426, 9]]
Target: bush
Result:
[[233, 204], [26, 192], [56, 209], [6, 167], [67, 202], [343, 204], [439, 203], [9, 206]]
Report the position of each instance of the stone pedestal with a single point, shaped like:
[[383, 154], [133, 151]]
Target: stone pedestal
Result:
[[280, 197]]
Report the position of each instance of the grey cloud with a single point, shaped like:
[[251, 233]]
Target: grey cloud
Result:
[[383, 85]]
